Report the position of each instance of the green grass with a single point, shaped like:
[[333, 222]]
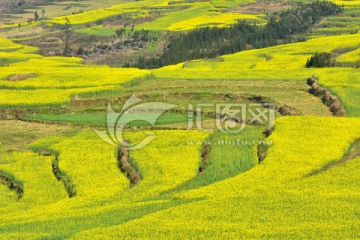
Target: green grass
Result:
[[18, 135], [98, 31], [200, 91], [230, 155], [100, 118]]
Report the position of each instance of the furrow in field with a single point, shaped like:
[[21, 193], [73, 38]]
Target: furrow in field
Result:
[[91, 165], [63, 177], [352, 153], [12, 183], [327, 97], [36, 177], [125, 165]]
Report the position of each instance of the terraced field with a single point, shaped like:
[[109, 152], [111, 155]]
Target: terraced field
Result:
[[348, 23], [284, 63], [154, 15], [81, 158], [239, 194], [29, 79], [57, 8]]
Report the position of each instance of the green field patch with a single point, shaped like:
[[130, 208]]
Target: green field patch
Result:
[[98, 31], [230, 155], [100, 119]]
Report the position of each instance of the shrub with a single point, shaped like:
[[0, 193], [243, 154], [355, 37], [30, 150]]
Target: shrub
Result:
[[80, 51], [12, 183], [320, 60]]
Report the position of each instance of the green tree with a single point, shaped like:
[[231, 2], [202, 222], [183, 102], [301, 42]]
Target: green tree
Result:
[[67, 36], [80, 51], [120, 33], [320, 60], [36, 15], [283, 27]]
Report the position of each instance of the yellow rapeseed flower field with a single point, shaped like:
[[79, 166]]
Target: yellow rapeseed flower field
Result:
[[192, 14], [277, 198], [31, 79], [282, 62], [101, 177], [36, 174], [194, 184], [217, 19], [352, 56]]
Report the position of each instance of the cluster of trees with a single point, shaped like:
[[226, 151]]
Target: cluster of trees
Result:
[[21, 6], [211, 42], [124, 40], [11, 6], [325, 59], [137, 36], [320, 60]]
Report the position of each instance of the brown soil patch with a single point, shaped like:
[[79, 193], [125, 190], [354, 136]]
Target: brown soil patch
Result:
[[20, 77], [17, 134]]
